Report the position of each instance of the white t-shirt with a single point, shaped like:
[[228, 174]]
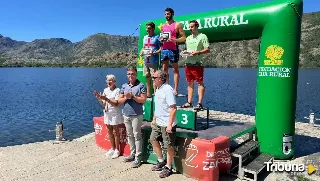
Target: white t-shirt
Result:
[[163, 99], [112, 95]]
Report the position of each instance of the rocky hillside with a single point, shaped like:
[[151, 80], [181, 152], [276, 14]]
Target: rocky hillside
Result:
[[117, 51]]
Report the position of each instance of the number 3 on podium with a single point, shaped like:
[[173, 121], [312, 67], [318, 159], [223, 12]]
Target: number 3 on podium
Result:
[[184, 119]]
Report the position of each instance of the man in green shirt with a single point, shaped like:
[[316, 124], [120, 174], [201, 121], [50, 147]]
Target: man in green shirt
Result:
[[197, 44]]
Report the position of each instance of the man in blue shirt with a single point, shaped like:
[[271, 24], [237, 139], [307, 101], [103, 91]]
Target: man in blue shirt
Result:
[[150, 51], [133, 96]]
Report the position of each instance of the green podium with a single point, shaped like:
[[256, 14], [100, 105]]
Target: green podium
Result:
[[187, 118], [148, 110], [191, 119], [149, 156]]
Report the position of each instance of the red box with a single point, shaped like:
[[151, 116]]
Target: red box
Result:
[[204, 160], [102, 136]]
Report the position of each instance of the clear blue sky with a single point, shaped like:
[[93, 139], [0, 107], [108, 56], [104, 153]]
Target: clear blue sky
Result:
[[77, 19]]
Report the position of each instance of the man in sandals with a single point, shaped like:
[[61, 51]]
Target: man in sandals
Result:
[[197, 44], [164, 123]]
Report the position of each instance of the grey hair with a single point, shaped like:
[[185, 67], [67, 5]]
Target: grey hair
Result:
[[163, 75], [111, 76]]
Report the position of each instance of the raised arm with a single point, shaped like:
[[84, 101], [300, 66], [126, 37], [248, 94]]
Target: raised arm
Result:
[[96, 94]]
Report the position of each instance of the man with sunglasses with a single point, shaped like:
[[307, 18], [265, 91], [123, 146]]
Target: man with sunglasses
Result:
[[133, 96], [150, 51], [164, 123]]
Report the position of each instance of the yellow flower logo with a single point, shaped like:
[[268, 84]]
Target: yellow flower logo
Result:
[[274, 53], [160, 26], [140, 61]]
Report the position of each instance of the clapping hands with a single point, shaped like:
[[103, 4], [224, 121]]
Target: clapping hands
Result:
[[128, 95], [99, 96], [96, 94]]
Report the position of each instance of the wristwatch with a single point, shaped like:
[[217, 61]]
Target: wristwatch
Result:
[[199, 53]]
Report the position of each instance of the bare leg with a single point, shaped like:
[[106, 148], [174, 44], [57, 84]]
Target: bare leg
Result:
[[157, 149], [148, 86], [165, 67], [200, 91], [116, 134], [170, 155], [111, 137], [190, 91], [176, 77]]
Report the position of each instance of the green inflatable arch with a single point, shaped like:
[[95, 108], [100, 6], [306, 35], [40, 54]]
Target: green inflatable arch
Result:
[[278, 25]]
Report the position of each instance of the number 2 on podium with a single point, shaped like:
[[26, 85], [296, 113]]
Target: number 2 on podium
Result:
[[184, 119]]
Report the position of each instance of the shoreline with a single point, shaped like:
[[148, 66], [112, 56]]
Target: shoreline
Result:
[[81, 158]]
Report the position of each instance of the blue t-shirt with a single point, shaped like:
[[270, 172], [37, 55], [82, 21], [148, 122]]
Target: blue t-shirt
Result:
[[131, 107], [154, 44]]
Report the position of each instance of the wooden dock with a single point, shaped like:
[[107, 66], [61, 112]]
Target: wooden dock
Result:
[[81, 159]]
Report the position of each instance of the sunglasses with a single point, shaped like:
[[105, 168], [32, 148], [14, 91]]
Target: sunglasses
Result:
[[154, 77]]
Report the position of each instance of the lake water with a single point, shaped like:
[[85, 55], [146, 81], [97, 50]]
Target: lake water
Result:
[[32, 100]]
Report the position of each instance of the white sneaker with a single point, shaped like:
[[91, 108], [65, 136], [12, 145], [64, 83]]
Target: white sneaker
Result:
[[109, 153], [116, 154]]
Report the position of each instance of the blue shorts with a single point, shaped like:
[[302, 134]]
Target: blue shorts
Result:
[[172, 55]]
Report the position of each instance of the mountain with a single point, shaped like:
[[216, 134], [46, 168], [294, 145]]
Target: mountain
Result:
[[117, 51], [96, 49]]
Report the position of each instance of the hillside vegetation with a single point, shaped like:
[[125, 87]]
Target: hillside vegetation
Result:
[[103, 50]]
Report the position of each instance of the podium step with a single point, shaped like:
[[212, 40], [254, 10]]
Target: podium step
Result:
[[246, 148], [252, 170], [242, 156]]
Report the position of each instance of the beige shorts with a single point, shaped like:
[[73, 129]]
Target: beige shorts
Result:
[[160, 133], [149, 69]]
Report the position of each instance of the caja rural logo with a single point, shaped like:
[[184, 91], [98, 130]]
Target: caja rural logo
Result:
[[274, 53]]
